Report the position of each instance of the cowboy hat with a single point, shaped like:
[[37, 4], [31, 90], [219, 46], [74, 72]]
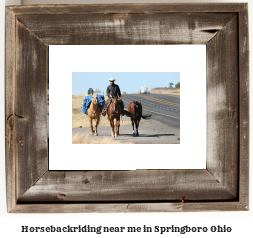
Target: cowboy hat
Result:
[[112, 79]]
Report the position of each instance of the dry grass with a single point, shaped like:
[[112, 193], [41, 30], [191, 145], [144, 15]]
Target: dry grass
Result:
[[165, 91], [79, 119], [77, 139], [176, 92]]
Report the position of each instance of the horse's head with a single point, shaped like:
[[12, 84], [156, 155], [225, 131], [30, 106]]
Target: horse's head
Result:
[[95, 98], [115, 105]]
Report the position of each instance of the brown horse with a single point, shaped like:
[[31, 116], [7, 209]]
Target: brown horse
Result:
[[94, 113], [114, 111], [135, 110]]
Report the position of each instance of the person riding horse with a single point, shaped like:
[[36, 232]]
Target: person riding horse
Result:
[[113, 90]]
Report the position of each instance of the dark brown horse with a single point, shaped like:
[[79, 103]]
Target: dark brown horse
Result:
[[135, 110], [114, 111]]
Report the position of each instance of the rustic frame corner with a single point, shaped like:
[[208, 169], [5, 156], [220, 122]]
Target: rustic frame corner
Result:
[[222, 186]]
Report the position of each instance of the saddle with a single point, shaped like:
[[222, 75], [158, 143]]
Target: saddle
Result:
[[104, 111]]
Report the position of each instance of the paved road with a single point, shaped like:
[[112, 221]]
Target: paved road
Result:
[[165, 108], [163, 128]]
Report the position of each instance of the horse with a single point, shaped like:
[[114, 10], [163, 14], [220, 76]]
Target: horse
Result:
[[135, 110], [114, 111], [94, 113]]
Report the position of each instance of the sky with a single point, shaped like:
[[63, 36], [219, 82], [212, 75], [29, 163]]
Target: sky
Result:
[[129, 82]]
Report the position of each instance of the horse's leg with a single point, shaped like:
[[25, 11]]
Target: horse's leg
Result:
[[112, 126], [137, 126], [96, 126], [91, 127], [117, 126], [133, 125]]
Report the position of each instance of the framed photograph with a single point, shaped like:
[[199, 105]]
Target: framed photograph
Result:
[[160, 119], [185, 65]]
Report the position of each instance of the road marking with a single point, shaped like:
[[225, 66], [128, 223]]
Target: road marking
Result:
[[153, 105], [160, 101], [154, 112], [161, 114]]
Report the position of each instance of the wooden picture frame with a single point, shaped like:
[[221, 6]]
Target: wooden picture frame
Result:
[[222, 186]]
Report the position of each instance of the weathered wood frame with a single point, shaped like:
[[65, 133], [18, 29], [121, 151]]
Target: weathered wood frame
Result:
[[222, 186]]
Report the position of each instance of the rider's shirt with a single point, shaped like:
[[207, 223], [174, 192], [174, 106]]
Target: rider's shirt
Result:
[[113, 90]]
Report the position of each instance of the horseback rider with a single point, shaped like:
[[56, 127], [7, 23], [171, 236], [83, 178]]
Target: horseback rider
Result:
[[113, 90]]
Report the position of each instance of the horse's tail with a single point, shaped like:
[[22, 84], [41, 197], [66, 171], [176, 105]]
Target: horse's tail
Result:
[[147, 116], [100, 113], [138, 110], [127, 113], [99, 117]]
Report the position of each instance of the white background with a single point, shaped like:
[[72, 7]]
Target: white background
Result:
[[190, 61], [241, 222]]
